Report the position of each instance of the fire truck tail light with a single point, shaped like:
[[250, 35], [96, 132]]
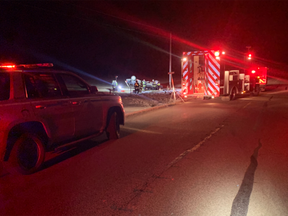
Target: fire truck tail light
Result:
[[217, 53], [253, 71]]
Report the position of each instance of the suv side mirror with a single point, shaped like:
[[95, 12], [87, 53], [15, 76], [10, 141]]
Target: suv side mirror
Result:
[[93, 89]]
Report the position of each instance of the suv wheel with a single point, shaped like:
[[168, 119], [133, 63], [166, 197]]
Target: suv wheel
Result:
[[27, 154], [113, 128]]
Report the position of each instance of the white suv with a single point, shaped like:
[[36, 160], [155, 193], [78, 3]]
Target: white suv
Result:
[[42, 108]]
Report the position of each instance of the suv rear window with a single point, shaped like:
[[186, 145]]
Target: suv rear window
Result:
[[41, 85], [4, 86]]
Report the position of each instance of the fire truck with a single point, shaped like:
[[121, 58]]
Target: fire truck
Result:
[[208, 74], [261, 75]]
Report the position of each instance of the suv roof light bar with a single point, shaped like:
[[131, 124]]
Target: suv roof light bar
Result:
[[36, 65], [7, 66], [10, 66]]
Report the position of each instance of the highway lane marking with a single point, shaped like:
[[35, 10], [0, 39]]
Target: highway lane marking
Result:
[[278, 92], [246, 105], [143, 188], [140, 130], [194, 148]]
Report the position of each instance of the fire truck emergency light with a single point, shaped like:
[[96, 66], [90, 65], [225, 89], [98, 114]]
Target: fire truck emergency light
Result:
[[250, 56], [253, 71], [217, 53]]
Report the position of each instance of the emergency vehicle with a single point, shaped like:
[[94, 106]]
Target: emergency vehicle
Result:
[[261, 74], [205, 75], [42, 108]]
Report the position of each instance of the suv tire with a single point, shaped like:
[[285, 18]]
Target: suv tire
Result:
[[113, 128], [27, 154]]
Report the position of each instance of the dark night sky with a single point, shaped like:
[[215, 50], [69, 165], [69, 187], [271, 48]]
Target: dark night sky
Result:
[[124, 38]]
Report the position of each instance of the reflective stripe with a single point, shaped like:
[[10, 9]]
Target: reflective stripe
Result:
[[213, 70]]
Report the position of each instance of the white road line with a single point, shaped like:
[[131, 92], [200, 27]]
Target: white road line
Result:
[[139, 130], [278, 92], [246, 105], [194, 148]]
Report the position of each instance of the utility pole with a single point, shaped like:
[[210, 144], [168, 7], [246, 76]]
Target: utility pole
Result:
[[170, 62], [245, 58]]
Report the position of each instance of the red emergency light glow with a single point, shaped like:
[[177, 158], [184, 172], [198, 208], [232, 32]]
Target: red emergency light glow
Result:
[[217, 53], [7, 66], [253, 71]]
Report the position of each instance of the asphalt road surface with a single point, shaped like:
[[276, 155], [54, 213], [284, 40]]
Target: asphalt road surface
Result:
[[200, 158]]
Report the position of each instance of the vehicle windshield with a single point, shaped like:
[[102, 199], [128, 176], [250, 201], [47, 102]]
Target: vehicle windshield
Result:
[[4, 86]]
